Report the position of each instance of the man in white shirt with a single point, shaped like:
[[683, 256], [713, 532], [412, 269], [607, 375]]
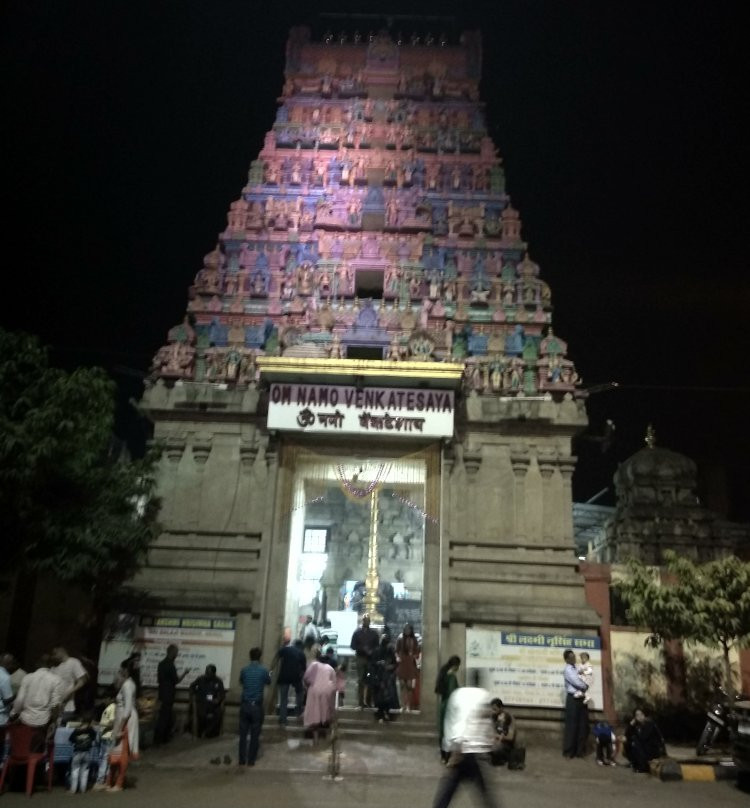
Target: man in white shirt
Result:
[[468, 735], [6, 691], [74, 677], [38, 701], [576, 710]]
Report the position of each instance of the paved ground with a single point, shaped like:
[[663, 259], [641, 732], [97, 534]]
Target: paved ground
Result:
[[291, 774]]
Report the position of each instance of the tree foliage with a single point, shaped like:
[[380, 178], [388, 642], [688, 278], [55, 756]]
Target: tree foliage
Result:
[[68, 505], [706, 603]]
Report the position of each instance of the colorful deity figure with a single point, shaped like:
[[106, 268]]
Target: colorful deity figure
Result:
[[514, 374], [434, 280], [554, 368], [354, 212], [324, 283], [271, 174], [449, 290], [415, 285], [394, 349], [497, 369], [305, 277], [335, 351]]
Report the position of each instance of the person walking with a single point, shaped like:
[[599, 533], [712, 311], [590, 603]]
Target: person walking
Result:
[[468, 736], [446, 683], [320, 680], [292, 663], [254, 678], [576, 710]]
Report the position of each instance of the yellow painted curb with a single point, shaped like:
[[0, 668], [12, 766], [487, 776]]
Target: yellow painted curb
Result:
[[698, 773]]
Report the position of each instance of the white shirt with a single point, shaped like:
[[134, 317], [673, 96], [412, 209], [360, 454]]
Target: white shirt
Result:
[[70, 672], [6, 694], [468, 726], [41, 692]]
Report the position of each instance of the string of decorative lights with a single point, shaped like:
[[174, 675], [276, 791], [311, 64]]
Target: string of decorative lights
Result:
[[413, 505]]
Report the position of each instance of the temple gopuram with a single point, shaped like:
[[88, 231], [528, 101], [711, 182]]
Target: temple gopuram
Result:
[[366, 408]]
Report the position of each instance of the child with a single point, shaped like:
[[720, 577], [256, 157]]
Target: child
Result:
[[106, 723], [586, 672], [605, 744], [82, 739]]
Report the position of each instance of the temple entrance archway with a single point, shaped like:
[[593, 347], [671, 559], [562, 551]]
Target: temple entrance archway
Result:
[[339, 564], [356, 543]]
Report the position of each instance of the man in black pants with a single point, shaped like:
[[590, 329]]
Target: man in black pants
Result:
[[254, 678], [576, 711], [365, 641], [468, 737], [168, 680]]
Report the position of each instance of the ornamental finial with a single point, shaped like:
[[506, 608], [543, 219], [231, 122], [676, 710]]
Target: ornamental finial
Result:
[[650, 436]]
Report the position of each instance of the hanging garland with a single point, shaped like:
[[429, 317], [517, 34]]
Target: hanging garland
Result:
[[356, 491]]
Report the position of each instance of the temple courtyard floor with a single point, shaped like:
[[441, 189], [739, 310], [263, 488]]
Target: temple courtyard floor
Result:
[[292, 774]]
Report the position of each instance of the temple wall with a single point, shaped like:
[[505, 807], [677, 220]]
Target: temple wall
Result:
[[500, 555]]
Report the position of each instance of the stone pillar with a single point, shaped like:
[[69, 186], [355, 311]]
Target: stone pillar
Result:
[[567, 464], [519, 459], [174, 448], [546, 460], [432, 609], [275, 552], [472, 462]]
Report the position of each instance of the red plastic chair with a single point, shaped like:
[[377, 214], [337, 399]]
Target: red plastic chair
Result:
[[21, 736]]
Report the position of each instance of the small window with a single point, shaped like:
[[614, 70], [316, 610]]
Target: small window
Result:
[[315, 540], [364, 352], [369, 283]]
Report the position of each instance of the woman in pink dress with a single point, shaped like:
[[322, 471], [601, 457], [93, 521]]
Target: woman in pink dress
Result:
[[320, 681]]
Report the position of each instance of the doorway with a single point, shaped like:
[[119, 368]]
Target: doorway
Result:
[[356, 544]]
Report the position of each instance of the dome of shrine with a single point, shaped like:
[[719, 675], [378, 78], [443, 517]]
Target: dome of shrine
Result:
[[656, 465]]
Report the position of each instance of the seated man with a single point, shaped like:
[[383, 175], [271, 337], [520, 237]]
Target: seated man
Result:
[[208, 694], [505, 733]]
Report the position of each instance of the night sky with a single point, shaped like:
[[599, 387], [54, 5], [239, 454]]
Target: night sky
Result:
[[128, 129]]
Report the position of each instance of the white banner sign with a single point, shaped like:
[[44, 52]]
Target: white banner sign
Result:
[[334, 409], [526, 669], [201, 641]]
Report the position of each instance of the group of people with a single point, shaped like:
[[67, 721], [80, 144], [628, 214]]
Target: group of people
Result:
[[105, 739], [385, 669], [641, 741], [45, 699]]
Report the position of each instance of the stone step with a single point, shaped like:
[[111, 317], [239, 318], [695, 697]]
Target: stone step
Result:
[[353, 724]]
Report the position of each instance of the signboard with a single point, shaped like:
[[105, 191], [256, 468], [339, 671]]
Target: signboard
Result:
[[335, 409], [202, 641], [526, 669]]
